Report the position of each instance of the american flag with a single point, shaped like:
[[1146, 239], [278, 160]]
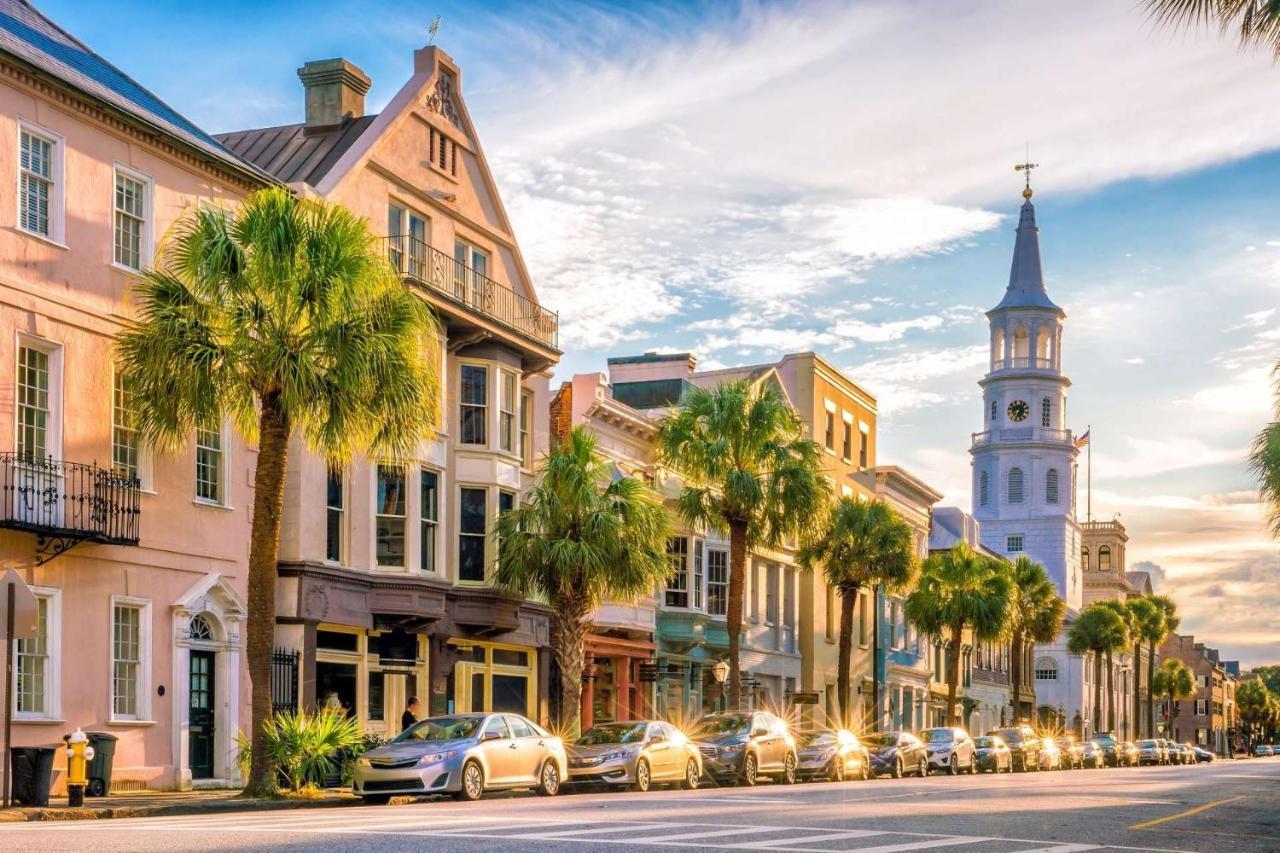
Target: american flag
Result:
[[1082, 440]]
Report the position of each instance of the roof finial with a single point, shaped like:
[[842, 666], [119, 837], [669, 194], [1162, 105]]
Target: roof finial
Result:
[[1025, 167]]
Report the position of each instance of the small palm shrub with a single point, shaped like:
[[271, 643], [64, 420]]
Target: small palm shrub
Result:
[[304, 747]]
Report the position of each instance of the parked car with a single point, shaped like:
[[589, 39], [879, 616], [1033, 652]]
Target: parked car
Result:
[[1128, 753], [1168, 755], [1050, 755], [1024, 745], [1106, 741], [464, 755], [1188, 752], [993, 754], [1150, 752], [950, 749], [832, 755], [1093, 757], [742, 747], [1203, 756], [1072, 751], [637, 753], [897, 754], [1179, 753], [1262, 749]]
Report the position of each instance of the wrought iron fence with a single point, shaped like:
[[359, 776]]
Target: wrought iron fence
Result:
[[69, 500], [451, 278], [284, 680]]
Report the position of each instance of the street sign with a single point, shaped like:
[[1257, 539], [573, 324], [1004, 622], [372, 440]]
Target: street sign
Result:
[[26, 610], [804, 697]]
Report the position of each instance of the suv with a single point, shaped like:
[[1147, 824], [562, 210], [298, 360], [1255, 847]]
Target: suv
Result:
[[742, 747], [1024, 745], [950, 749], [1110, 755]]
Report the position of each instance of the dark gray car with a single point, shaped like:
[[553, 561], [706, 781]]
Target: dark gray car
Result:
[[742, 747]]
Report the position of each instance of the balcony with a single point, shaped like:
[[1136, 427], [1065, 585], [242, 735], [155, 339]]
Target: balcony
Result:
[[1022, 362], [465, 292], [1020, 434], [67, 503]]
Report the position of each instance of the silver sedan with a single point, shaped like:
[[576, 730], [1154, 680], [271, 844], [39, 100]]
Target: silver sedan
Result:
[[464, 755], [637, 753]]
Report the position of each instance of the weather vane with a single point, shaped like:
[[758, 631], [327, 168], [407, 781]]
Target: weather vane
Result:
[[1026, 167], [434, 29]]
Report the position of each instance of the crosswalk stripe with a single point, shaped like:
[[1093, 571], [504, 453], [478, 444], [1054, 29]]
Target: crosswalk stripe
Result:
[[611, 827], [808, 839], [949, 841], [1064, 848]]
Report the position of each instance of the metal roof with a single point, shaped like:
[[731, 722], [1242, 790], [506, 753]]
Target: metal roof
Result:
[[292, 152]]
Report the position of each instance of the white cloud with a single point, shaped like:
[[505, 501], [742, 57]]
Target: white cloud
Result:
[[1136, 457], [919, 377]]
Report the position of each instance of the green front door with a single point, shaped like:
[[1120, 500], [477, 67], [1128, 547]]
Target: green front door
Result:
[[200, 719]]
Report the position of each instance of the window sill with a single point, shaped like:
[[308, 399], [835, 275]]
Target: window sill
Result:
[[136, 724], [41, 237], [119, 267], [213, 505], [37, 721]]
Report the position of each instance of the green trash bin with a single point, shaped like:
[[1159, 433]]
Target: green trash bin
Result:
[[32, 767], [99, 770]]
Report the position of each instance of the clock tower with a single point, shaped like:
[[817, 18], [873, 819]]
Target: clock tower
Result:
[[1024, 459]]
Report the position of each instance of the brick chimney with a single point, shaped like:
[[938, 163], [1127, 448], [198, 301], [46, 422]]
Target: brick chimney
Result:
[[335, 92]]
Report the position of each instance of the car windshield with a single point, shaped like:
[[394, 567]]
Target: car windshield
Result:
[[818, 739], [613, 733], [984, 742], [1010, 735], [1105, 740], [938, 735], [1147, 743], [888, 739], [440, 728], [729, 724]]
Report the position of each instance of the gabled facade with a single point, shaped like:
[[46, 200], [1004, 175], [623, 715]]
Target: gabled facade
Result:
[[385, 586], [137, 557]]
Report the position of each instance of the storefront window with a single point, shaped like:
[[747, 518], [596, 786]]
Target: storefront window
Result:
[[488, 677], [510, 693], [350, 676], [336, 686]]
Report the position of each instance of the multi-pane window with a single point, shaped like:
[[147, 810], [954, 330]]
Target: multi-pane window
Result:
[[846, 446], [33, 666], [678, 577], [1046, 412], [126, 659], [130, 220], [1015, 486], [335, 513], [1013, 544], [1084, 558], [829, 433], [33, 403], [390, 511], [1104, 559], [429, 510], [1051, 486], [995, 410], [717, 582], [471, 534], [1202, 707], [474, 401], [1046, 670], [771, 593], [124, 430], [507, 410], [863, 446], [35, 184], [697, 573], [526, 435], [408, 246], [209, 464]]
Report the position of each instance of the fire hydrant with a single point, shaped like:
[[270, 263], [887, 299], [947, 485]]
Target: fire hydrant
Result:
[[79, 754]]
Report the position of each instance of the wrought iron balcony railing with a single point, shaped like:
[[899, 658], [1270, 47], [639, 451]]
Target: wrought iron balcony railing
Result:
[[66, 503], [446, 276]]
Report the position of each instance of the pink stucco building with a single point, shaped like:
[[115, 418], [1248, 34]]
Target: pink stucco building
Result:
[[138, 558]]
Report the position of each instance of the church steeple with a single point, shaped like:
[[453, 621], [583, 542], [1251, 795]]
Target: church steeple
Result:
[[1026, 277]]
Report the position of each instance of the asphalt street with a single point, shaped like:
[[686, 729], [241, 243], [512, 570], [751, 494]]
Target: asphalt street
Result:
[[1226, 806]]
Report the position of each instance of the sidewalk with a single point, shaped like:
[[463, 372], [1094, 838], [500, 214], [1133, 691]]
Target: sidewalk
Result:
[[158, 803]]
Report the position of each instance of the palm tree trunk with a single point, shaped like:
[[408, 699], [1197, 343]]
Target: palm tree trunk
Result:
[[848, 595], [953, 675], [1097, 692], [1137, 678], [264, 551], [733, 620], [570, 638], [1015, 673], [1111, 693], [1151, 697]]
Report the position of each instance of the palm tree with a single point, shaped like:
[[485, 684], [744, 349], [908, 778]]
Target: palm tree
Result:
[[1146, 621], [1175, 681], [1096, 630], [281, 317], [861, 544], [581, 536], [1252, 698], [1264, 461], [749, 471], [1126, 619], [960, 589], [1035, 616], [1167, 624], [1257, 22]]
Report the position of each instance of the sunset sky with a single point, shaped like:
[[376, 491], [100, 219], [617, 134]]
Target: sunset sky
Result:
[[744, 180]]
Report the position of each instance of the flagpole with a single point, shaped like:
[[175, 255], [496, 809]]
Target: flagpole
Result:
[[1089, 469]]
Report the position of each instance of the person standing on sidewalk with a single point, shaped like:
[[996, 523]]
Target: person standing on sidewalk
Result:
[[410, 715]]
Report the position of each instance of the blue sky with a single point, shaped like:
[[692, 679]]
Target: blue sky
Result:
[[742, 180]]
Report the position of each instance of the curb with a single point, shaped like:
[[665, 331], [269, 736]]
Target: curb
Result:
[[21, 815]]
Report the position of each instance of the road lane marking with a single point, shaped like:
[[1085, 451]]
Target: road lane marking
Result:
[[598, 827], [804, 839], [1064, 848], [953, 840], [741, 830], [1147, 824]]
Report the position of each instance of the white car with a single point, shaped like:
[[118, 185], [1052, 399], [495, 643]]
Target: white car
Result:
[[951, 750]]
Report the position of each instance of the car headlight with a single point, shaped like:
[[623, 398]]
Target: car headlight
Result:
[[363, 762], [436, 758], [731, 748], [826, 755], [618, 755]]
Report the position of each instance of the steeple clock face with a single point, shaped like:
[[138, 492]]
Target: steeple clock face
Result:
[[1018, 410]]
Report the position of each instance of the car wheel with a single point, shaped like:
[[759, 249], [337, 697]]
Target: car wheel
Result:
[[691, 776], [924, 767], [472, 782], [973, 765], [750, 770], [866, 771], [376, 799], [549, 779], [954, 767], [788, 776], [644, 779], [898, 769], [837, 769]]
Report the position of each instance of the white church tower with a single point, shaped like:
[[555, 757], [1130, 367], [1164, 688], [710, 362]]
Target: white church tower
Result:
[[1024, 460]]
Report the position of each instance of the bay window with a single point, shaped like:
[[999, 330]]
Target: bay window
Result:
[[390, 513], [472, 527], [678, 579], [473, 400], [507, 410]]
